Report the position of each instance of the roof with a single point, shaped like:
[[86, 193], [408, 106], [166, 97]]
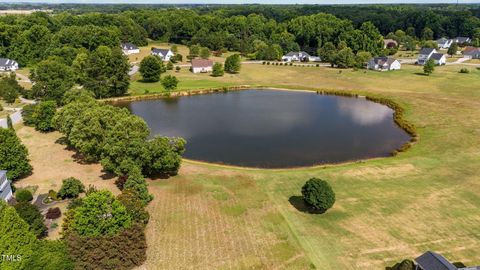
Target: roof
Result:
[[201, 63], [470, 49], [6, 191], [382, 60], [434, 261], [7, 62], [160, 51], [443, 40], [302, 53], [437, 56], [389, 40], [462, 39], [426, 51], [129, 46]]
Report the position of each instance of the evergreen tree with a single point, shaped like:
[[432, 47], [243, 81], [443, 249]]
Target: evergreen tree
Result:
[[233, 63], [217, 70], [429, 67], [13, 155], [452, 50]]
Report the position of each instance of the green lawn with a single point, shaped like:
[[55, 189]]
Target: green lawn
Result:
[[387, 209]]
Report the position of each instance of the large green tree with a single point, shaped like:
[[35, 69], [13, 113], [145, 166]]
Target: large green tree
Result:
[[429, 67], [106, 72], [9, 88], [51, 78], [318, 194], [33, 217], [151, 68], [43, 115], [13, 155], [100, 214], [233, 63]]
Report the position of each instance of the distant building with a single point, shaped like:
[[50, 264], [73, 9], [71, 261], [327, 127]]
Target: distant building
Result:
[[383, 63], [8, 64], [164, 54], [300, 57], [426, 53], [444, 43], [390, 43], [434, 261], [5, 188], [129, 48], [462, 40], [471, 52], [202, 65]]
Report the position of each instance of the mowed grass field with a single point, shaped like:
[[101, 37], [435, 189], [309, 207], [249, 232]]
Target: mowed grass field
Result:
[[387, 209]]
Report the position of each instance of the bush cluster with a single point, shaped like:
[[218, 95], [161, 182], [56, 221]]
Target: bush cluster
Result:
[[53, 213], [23, 195], [71, 188]]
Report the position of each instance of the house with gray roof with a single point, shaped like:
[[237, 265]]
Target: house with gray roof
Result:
[[462, 40], [426, 53], [8, 64], [5, 188], [444, 43], [129, 48], [471, 52], [383, 63], [434, 261], [164, 54], [300, 57], [439, 59]]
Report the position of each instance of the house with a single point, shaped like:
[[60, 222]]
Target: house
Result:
[[390, 43], [383, 63], [164, 54], [462, 40], [471, 52], [5, 188], [300, 57], [439, 59], [426, 53], [444, 43], [201, 65], [434, 261], [8, 64], [129, 48]]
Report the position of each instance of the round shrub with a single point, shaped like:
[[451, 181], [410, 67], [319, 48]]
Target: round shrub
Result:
[[71, 188], [23, 195], [464, 70], [318, 194], [52, 194], [53, 213]]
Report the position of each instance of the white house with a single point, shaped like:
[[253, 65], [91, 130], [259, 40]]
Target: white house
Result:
[[424, 55], [164, 54], [462, 40], [439, 59], [444, 43], [471, 52], [5, 188], [8, 64], [129, 48], [202, 65], [300, 57], [384, 63]]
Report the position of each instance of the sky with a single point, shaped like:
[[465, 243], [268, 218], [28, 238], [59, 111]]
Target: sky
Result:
[[242, 1]]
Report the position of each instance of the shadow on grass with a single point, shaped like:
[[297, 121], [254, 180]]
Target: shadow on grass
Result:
[[421, 74], [300, 205]]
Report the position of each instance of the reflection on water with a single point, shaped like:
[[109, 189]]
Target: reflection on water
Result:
[[364, 113], [274, 128]]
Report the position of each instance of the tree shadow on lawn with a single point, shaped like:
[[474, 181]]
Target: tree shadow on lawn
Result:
[[300, 205], [421, 74]]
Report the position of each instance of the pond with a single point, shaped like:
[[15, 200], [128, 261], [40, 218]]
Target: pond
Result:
[[274, 128]]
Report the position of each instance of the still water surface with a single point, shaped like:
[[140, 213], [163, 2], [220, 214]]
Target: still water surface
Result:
[[274, 129]]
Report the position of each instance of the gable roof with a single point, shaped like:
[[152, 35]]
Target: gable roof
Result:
[[462, 39], [437, 56], [201, 63], [302, 54], [443, 40], [5, 62], [6, 190], [162, 52], [129, 46], [382, 60], [471, 50], [426, 51], [434, 261]]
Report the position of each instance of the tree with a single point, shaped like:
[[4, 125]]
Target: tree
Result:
[[137, 184], [174, 49], [453, 49], [50, 255], [344, 58], [100, 214], [327, 52], [15, 239], [204, 53], [33, 217], [23, 195], [151, 67], [429, 67], [43, 115], [27, 114], [71, 188], [170, 82], [9, 88], [362, 58], [13, 155], [165, 156], [9, 122], [170, 65], [194, 51], [217, 70], [106, 72], [427, 33], [51, 79], [134, 205], [318, 194], [233, 63]]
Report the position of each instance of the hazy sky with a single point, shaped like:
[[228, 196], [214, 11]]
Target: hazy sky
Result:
[[241, 1]]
